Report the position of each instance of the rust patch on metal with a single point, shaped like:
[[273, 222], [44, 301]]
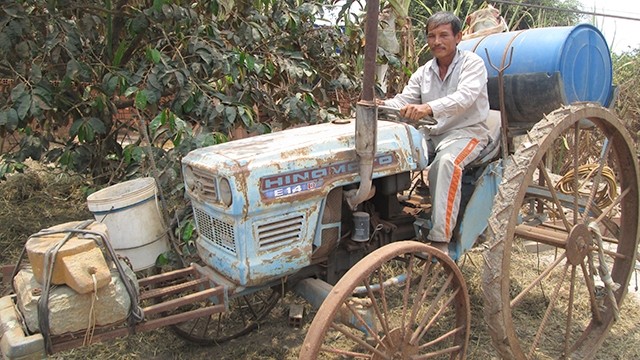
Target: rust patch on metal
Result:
[[293, 253]]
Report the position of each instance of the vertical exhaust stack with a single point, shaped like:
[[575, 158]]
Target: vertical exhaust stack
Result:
[[366, 111]]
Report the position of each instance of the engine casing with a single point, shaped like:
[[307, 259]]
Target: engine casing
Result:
[[258, 202]]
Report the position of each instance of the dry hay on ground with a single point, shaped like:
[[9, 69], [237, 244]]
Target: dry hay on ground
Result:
[[39, 199], [276, 340], [36, 200]]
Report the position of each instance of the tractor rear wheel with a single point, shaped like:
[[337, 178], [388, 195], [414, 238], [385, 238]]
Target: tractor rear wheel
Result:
[[562, 236]]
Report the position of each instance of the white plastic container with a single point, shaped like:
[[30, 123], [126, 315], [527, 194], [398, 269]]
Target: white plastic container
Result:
[[131, 212]]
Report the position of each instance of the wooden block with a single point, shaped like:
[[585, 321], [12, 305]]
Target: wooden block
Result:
[[296, 313]]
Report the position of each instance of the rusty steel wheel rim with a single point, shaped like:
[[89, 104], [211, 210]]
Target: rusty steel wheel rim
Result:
[[412, 298], [563, 308]]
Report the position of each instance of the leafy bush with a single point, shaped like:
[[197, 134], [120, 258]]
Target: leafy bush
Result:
[[197, 71]]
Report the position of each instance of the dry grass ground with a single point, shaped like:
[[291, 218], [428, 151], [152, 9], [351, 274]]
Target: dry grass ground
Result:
[[33, 201]]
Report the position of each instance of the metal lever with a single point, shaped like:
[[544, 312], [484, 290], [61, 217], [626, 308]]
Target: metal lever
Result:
[[504, 126]]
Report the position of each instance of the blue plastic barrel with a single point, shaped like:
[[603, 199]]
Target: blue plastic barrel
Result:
[[579, 54]]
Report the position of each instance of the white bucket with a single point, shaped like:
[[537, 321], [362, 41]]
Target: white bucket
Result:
[[132, 214]]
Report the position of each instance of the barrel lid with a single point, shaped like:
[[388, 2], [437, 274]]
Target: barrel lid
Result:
[[586, 66]]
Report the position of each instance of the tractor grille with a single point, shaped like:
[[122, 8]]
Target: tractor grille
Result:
[[215, 231], [279, 232], [206, 184]]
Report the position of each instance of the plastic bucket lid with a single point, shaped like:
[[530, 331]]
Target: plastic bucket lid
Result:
[[122, 195]]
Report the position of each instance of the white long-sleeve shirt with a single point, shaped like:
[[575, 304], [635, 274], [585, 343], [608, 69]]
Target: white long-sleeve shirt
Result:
[[460, 102]]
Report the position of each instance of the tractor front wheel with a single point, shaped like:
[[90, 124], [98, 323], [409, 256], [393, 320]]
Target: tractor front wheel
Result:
[[404, 300]]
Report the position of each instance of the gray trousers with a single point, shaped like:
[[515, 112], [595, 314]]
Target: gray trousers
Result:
[[450, 156]]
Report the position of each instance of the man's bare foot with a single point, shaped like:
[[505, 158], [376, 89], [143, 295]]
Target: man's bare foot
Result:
[[442, 246]]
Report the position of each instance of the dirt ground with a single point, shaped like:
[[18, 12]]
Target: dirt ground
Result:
[[36, 200]]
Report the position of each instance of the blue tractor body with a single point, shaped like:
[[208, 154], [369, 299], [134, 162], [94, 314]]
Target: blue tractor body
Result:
[[260, 203]]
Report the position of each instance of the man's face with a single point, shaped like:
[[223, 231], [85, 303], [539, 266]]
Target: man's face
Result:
[[442, 42]]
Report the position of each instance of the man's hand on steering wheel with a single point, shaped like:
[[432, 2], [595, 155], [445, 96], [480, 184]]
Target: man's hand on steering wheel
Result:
[[416, 111], [394, 114]]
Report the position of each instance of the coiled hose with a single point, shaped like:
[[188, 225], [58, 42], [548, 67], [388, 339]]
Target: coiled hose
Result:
[[607, 189]]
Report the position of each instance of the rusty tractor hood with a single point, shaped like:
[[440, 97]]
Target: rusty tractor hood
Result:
[[296, 163]]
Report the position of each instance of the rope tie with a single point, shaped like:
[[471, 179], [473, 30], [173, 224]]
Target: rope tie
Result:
[[49, 262], [91, 326], [603, 271]]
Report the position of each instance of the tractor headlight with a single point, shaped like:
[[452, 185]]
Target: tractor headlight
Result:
[[189, 178], [225, 193]]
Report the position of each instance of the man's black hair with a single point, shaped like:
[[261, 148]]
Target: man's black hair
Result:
[[443, 18]]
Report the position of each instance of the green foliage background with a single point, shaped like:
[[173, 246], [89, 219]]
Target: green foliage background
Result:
[[216, 65], [83, 75]]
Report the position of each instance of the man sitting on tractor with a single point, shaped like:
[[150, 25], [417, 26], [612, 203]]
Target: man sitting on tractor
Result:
[[451, 88]]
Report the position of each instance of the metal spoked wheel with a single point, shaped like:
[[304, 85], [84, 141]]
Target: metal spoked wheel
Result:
[[404, 300], [246, 313], [562, 236]]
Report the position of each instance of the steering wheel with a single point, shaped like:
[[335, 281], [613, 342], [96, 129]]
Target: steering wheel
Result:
[[393, 114]]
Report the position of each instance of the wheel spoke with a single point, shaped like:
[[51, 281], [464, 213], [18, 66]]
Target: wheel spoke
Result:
[[550, 307], [219, 323], [194, 326], [405, 297], [376, 308], [385, 306], [437, 316], [591, 290], [597, 179], [245, 313], [554, 195], [361, 321], [349, 334], [446, 336], [427, 316], [516, 301], [608, 210], [422, 328], [242, 313], [572, 288], [206, 326], [424, 292], [450, 350], [350, 354]]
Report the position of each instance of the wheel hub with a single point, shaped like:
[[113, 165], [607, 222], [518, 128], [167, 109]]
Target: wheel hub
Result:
[[395, 347], [578, 244]]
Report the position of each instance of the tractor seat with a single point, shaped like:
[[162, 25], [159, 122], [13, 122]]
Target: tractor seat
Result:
[[492, 150]]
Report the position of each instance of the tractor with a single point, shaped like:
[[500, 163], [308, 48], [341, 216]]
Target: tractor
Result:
[[338, 212]]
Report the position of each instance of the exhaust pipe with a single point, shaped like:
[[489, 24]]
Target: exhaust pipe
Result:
[[366, 134], [366, 111]]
